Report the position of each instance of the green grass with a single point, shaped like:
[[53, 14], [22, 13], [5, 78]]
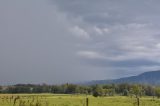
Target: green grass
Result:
[[72, 100]]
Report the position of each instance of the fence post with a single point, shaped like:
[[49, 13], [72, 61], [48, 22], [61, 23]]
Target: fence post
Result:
[[137, 101], [87, 102]]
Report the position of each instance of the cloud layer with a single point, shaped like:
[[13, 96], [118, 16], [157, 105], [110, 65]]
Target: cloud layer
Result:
[[123, 35], [58, 41]]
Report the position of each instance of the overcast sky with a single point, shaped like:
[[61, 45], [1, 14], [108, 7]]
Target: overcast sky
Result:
[[58, 41]]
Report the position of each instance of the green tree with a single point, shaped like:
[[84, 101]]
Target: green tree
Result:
[[137, 90], [70, 89], [157, 92], [98, 91], [125, 92], [0, 89]]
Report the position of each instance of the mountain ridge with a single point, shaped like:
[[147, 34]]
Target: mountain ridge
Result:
[[150, 77]]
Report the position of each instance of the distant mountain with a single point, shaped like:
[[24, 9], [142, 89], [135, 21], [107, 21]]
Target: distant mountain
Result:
[[152, 78]]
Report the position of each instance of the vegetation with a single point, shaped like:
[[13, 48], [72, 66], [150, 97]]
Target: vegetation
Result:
[[79, 95], [135, 90], [72, 100]]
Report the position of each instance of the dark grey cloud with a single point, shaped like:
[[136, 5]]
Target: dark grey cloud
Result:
[[110, 12], [35, 44], [123, 34], [58, 41]]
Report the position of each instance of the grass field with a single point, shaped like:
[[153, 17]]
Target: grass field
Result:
[[72, 100]]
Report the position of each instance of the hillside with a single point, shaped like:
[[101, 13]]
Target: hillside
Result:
[[152, 78]]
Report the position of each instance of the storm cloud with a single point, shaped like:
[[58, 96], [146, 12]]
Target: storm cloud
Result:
[[58, 41]]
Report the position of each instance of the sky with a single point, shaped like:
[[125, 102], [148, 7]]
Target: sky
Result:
[[59, 41]]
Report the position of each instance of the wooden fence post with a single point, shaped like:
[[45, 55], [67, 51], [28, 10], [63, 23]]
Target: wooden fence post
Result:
[[137, 101], [87, 102]]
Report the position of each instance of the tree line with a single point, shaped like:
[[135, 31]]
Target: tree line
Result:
[[125, 89]]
